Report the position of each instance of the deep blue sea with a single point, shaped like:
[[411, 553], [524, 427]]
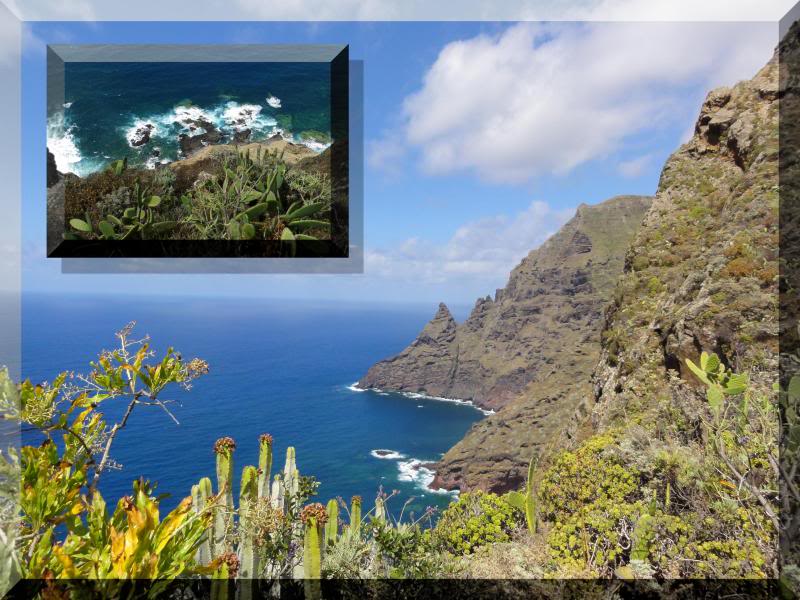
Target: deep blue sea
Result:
[[278, 367], [104, 103]]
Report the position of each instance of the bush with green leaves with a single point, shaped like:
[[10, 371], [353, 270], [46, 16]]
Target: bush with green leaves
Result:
[[65, 528], [708, 510], [248, 195], [137, 221], [476, 519], [251, 198]]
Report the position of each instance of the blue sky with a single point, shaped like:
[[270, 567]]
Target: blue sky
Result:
[[480, 140]]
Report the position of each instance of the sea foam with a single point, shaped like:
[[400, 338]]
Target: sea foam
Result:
[[413, 470], [384, 454], [61, 142], [420, 396]]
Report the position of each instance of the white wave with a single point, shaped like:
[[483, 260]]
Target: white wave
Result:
[[315, 145], [274, 101], [185, 118], [61, 142], [419, 396], [241, 116], [153, 161], [414, 471], [353, 387], [420, 405], [67, 104], [384, 454], [138, 124]]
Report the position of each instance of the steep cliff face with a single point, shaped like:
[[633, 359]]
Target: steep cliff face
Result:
[[702, 272], [513, 351]]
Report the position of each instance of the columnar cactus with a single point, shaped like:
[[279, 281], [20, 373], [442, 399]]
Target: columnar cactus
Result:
[[223, 512], [248, 497], [201, 495], [264, 464], [291, 477], [355, 515], [313, 518], [332, 522], [277, 496]]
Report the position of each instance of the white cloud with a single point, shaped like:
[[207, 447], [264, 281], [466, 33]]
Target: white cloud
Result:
[[386, 152], [480, 252], [544, 98], [635, 166]]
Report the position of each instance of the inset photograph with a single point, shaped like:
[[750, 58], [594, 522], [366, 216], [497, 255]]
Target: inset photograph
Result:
[[190, 158]]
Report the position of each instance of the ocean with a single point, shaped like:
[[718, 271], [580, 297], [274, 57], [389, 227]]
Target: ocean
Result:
[[104, 104], [276, 366]]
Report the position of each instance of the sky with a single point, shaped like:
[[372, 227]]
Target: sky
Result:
[[481, 139]]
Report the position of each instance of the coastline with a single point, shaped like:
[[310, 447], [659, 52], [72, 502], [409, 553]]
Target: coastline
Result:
[[354, 387]]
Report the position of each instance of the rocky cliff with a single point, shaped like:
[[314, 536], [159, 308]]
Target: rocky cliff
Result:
[[519, 352], [702, 272]]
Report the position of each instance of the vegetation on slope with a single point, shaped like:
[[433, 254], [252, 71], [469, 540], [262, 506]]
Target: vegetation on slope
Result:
[[251, 194], [600, 510]]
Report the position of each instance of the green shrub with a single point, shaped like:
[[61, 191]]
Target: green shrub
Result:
[[476, 519], [585, 476]]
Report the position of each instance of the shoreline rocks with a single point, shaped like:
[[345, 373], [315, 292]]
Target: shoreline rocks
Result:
[[141, 136]]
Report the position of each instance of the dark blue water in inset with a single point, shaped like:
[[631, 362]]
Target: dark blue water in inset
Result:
[[105, 102], [278, 367]]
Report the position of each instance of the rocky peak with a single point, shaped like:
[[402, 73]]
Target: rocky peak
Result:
[[440, 329]]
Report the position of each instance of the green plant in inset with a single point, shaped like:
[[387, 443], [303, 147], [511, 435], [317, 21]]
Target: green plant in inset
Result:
[[137, 221], [118, 166]]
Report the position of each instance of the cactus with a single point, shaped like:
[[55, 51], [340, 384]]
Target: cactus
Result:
[[313, 518], [289, 470], [201, 498], [264, 463], [312, 559], [332, 523], [530, 497], [642, 538], [355, 515], [223, 512], [248, 496], [277, 495]]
